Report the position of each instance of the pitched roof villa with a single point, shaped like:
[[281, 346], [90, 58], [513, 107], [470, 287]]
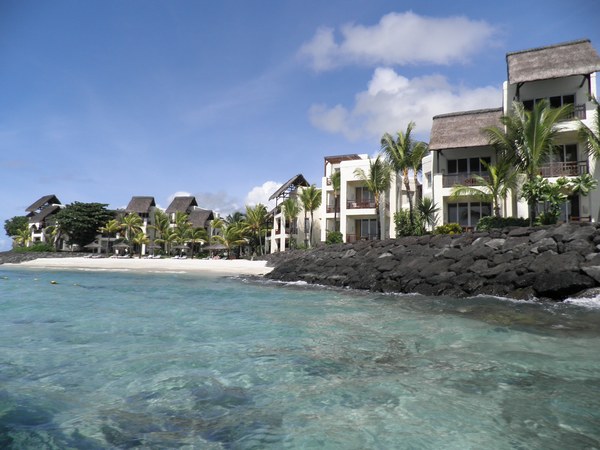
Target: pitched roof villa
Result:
[[181, 204], [140, 205]]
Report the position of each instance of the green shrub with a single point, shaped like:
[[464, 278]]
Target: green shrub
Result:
[[334, 237], [403, 225], [448, 228], [489, 222], [38, 247]]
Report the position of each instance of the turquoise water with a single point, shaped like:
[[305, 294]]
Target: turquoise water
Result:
[[123, 360]]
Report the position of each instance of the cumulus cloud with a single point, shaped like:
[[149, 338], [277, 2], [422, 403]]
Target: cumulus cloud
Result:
[[261, 194], [391, 101], [399, 39], [220, 202]]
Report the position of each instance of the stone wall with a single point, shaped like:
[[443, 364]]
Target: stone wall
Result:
[[541, 262]]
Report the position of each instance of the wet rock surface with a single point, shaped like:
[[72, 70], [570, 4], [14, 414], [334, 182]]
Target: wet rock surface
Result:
[[553, 263]]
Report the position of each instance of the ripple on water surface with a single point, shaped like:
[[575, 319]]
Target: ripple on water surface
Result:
[[125, 360]]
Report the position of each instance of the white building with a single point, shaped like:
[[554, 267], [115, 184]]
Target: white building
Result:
[[143, 207], [563, 74], [354, 214], [39, 214], [284, 234]]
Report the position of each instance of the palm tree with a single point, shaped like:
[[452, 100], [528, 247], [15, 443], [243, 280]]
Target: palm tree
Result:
[[54, 233], [235, 218], [216, 225], [336, 183], [231, 236], [256, 221], [197, 235], [140, 239], [378, 181], [591, 136], [22, 237], [291, 211], [166, 238], [161, 225], [501, 179], [528, 140], [111, 228], [131, 224], [428, 211], [311, 200], [404, 154]]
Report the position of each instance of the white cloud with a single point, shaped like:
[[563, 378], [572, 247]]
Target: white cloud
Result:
[[399, 39], [219, 202], [391, 101], [261, 194]]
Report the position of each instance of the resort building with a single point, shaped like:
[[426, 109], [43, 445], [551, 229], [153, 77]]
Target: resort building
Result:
[[289, 232], [199, 217], [144, 207], [39, 214], [562, 74], [351, 211]]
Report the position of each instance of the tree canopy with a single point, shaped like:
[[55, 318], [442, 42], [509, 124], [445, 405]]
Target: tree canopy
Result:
[[81, 221], [15, 224]]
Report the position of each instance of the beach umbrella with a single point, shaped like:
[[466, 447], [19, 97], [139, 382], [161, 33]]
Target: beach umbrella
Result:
[[93, 246]]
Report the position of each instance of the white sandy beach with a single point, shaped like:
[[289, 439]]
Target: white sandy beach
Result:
[[203, 266]]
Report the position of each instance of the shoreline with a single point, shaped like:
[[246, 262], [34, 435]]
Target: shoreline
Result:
[[221, 267]]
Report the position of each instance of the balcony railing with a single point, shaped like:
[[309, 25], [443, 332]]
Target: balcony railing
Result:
[[465, 179], [359, 237], [577, 113], [353, 204], [564, 169], [332, 208]]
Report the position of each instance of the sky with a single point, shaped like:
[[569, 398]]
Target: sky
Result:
[[102, 100]]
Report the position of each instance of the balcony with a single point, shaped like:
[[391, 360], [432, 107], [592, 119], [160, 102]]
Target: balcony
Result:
[[564, 169], [354, 204], [464, 179], [331, 208], [577, 113]]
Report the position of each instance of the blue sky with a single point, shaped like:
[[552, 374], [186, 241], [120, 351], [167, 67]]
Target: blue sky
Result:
[[226, 100]]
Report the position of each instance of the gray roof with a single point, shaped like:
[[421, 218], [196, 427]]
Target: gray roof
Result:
[[291, 184], [555, 61], [44, 213], [46, 199], [463, 129], [200, 217], [183, 204], [140, 204]]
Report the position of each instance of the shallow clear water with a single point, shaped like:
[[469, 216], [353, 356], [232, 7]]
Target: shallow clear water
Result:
[[121, 360]]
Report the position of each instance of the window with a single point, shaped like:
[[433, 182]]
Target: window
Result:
[[467, 165], [368, 228], [555, 101], [468, 214], [565, 153], [364, 195]]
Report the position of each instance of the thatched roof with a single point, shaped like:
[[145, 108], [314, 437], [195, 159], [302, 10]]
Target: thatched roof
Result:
[[555, 61], [200, 218], [336, 159], [290, 185], [463, 129], [140, 205], [45, 200], [44, 213], [183, 204]]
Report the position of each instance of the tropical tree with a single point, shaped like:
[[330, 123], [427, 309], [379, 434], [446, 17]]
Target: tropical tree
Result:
[[53, 233], [13, 225], [167, 237], [111, 228], [527, 141], [404, 154], [131, 224], [502, 178], [311, 200], [428, 212], [80, 221], [291, 211], [197, 235], [336, 183], [231, 236], [161, 227], [591, 136], [378, 181], [183, 227], [139, 240], [216, 225], [236, 217], [22, 237], [256, 222]]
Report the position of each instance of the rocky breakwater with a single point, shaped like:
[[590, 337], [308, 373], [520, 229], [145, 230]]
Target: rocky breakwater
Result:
[[11, 257], [540, 262]]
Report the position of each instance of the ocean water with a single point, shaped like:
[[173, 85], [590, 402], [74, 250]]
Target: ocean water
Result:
[[123, 360]]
